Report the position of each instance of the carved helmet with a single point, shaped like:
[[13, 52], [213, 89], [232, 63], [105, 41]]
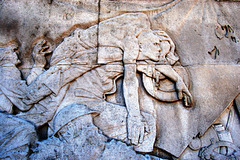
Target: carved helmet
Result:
[[70, 113]]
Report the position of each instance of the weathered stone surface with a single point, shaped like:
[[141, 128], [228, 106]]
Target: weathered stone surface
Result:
[[16, 137], [197, 22], [210, 100], [103, 79]]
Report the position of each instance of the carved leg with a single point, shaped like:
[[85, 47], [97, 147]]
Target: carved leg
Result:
[[112, 121]]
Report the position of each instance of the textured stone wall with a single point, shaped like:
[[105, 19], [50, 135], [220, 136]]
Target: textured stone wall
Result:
[[119, 79]]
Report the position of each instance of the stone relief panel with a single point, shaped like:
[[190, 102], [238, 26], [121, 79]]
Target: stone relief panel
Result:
[[117, 80]]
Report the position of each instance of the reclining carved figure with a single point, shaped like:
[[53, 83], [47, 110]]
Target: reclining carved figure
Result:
[[85, 67], [91, 64]]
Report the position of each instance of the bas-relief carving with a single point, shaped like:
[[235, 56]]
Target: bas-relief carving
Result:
[[70, 96], [73, 79]]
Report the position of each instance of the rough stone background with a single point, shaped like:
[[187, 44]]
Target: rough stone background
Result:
[[206, 34], [191, 24]]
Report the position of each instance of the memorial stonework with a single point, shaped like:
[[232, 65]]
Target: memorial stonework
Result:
[[118, 79]]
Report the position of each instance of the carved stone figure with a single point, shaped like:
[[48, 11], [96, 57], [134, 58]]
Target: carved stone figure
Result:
[[79, 138], [17, 135], [139, 49], [114, 86], [14, 91]]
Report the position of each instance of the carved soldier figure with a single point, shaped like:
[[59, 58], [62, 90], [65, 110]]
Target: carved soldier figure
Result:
[[13, 89], [93, 71], [83, 70], [17, 135]]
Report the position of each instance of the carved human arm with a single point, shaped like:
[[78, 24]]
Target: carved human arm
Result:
[[56, 77], [135, 126], [39, 52], [183, 92], [36, 95], [12, 93], [160, 71]]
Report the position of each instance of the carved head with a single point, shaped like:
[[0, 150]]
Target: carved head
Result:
[[9, 54], [168, 53], [157, 46], [149, 45]]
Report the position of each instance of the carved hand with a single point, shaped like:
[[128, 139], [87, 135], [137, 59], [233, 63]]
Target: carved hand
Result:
[[39, 52], [183, 93], [187, 100], [135, 128], [41, 48]]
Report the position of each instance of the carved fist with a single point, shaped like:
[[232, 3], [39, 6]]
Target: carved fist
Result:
[[39, 52], [135, 129], [184, 94], [41, 48]]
